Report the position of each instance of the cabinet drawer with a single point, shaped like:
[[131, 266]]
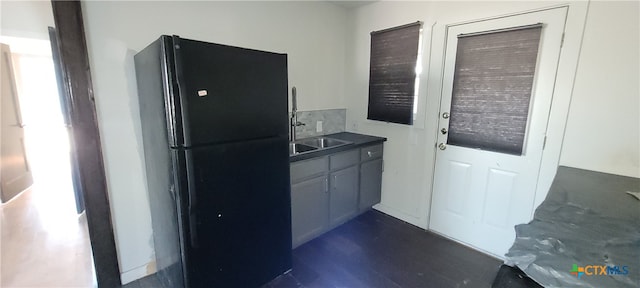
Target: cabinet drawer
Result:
[[371, 152], [308, 168], [344, 159]]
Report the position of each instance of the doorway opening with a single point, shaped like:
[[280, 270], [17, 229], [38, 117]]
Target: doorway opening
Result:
[[44, 234]]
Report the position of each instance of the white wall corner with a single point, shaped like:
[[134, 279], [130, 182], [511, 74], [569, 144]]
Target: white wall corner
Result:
[[605, 99]]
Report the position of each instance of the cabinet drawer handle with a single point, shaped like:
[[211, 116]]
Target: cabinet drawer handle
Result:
[[326, 185]]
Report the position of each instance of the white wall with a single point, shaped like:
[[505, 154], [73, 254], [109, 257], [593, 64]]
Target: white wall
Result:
[[26, 19], [410, 150], [603, 129], [311, 33]]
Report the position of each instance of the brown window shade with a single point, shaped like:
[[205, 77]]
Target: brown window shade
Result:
[[392, 73], [492, 89]]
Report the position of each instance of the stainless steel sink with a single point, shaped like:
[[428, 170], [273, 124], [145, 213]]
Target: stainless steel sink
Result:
[[323, 142], [297, 148], [313, 144]]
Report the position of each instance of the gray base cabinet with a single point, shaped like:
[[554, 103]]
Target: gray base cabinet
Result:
[[370, 183], [330, 190], [310, 213]]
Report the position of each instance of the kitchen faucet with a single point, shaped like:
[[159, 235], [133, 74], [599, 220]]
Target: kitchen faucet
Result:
[[294, 115]]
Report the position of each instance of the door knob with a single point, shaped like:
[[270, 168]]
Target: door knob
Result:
[[443, 131], [442, 146], [445, 115]]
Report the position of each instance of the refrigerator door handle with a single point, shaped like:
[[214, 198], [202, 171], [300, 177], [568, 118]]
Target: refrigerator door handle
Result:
[[193, 229], [180, 96]]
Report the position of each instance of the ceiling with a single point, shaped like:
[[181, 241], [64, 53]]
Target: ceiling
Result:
[[351, 4]]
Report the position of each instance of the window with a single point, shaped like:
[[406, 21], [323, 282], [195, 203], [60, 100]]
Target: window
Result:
[[492, 86], [393, 73]]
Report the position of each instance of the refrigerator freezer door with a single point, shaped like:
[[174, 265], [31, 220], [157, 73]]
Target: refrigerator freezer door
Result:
[[240, 227], [228, 93]]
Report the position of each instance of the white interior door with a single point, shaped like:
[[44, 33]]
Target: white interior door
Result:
[[15, 175], [489, 154]]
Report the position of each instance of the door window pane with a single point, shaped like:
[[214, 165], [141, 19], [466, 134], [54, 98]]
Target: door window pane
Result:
[[492, 89]]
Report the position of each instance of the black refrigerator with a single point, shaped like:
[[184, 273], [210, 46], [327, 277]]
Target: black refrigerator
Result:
[[215, 137]]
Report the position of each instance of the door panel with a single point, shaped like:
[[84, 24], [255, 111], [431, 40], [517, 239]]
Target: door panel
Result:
[[344, 194], [480, 195], [370, 183], [499, 192], [15, 174], [309, 209], [457, 187]]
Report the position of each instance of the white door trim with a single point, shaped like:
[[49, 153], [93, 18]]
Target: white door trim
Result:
[[562, 93]]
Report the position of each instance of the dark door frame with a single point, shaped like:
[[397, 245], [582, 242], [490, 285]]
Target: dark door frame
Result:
[[64, 107], [86, 137]]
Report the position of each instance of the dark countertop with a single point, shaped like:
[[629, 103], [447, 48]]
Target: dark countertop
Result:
[[358, 140]]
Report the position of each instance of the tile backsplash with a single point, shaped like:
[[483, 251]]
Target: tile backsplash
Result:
[[333, 121]]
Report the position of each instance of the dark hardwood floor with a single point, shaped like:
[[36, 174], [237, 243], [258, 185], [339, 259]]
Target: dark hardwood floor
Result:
[[147, 282], [376, 250]]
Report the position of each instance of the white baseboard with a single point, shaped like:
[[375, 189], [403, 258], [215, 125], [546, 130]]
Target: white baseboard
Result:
[[138, 272], [400, 215]]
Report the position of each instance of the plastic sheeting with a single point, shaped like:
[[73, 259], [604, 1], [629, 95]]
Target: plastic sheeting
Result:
[[587, 219]]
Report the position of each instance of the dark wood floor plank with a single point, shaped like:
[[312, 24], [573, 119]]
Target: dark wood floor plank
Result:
[[435, 252], [380, 250], [376, 250], [358, 260], [320, 283], [398, 264], [284, 281], [302, 272], [411, 255], [314, 258]]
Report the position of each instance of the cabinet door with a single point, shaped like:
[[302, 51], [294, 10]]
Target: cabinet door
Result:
[[309, 209], [344, 195], [370, 183]]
